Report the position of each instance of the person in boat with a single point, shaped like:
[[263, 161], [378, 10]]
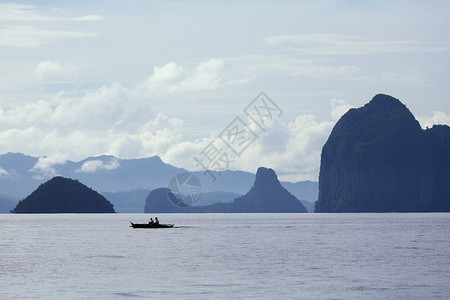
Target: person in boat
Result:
[[156, 220], [151, 221]]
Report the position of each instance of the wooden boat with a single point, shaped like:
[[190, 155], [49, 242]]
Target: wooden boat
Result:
[[151, 225]]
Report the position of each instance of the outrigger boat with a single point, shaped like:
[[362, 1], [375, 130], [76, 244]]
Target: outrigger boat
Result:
[[151, 225]]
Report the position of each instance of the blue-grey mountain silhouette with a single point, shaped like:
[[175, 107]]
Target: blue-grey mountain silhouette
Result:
[[378, 159], [63, 195], [127, 182], [266, 196], [6, 204]]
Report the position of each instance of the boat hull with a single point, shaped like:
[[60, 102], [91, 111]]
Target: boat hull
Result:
[[135, 225]]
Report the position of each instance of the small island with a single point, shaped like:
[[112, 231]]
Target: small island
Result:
[[63, 195]]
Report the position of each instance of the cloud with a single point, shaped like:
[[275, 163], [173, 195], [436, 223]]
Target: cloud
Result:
[[13, 12], [338, 108], [257, 65], [30, 37], [47, 70], [339, 44], [92, 166], [173, 78], [438, 117], [104, 108], [45, 166], [3, 172], [407, 77], [153, 137], [293, 149], [111, 119], [89, 18], [20, 12]]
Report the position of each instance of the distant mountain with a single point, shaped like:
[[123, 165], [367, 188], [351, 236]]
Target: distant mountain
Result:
[[134, 201], [308, 205], [6, 204], [63, 195], [162, 200], [378, 159], [266, 196], [209, 198], [16, 180], [128, 202], [104, 173], [303, 190], [122, 180]]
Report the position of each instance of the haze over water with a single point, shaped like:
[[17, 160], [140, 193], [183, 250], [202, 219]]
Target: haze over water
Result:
[[301, 256]]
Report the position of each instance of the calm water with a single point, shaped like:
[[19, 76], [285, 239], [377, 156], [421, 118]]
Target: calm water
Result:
[[226, 256]]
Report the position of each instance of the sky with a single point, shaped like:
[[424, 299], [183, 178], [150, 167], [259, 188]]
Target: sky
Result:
[[183, 79]]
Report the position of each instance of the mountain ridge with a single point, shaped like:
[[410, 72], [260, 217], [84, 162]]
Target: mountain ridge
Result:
[[111, 175], [266, 195]]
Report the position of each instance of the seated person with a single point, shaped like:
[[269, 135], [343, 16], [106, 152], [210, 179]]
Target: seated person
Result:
[[151, 221], [156, 220]]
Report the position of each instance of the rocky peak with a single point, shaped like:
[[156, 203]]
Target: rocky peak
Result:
[[267, 195], [378, 159], [265, 178], [382, 102]]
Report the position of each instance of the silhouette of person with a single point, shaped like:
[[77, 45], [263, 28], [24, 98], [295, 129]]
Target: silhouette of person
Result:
[[156, 220], [151, 221]]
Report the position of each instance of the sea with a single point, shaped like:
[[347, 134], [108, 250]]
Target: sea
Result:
[[226, 256]]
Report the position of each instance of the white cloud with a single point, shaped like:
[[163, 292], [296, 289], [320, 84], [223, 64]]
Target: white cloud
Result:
[[339, 44], [45, 166], [99, 109], [108, 110], [257, 65], [154, 137], [438, 117], [173, 78], [93, 166], [182, 154], [20, 12], [407, 77], [160, 134], [292, 149], [89, 18], [48, 70], [30, 37], [111, 119], [3, 172], [338, 109], [13, 12], [13, 139]]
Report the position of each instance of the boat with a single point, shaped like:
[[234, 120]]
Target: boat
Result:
[[150, 225]]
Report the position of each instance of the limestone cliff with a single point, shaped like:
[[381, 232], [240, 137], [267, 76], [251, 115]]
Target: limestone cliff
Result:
[[267, 195], [378, 159]]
